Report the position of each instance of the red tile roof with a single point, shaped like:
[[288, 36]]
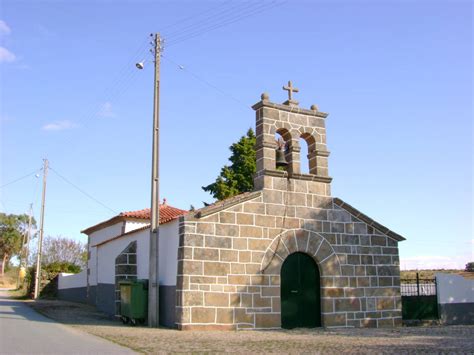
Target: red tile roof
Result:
[[167, 214]]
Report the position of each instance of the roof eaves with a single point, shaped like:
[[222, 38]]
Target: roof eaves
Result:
[[363, 217], [224, 204], [123, 235]]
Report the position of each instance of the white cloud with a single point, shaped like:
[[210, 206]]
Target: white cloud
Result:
[[4, 28], [424, 262], [6, 56], [107, 110], [59, 125]]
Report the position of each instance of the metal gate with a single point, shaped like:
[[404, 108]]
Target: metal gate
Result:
[[419, 298], [300, 292]]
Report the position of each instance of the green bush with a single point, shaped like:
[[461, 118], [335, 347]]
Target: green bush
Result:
[[49, 275], [470, 267]]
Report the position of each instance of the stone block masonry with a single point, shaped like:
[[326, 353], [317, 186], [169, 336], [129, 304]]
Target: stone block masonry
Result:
[[231, 254], [229, 273]]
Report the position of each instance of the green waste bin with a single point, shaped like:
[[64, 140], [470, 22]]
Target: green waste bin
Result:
[[133, 301]]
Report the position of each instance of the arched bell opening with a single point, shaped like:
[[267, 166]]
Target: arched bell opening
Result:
[[300, 292], [308, 160], [282, 148]]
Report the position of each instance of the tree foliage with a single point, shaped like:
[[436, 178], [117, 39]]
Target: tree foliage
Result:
[[237, 177], [62, 251], [12, 229], [470, 266]]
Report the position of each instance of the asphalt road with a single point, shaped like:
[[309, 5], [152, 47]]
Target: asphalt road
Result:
[[24, 331]]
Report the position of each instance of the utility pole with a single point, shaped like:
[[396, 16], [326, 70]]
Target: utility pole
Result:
[[153, 277], [40, 239]]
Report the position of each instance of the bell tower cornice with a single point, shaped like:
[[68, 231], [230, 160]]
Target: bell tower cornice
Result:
[[281, 159]]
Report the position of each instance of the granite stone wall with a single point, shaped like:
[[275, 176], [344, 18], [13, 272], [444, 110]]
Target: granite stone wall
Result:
[[229, 267], [230, 254]]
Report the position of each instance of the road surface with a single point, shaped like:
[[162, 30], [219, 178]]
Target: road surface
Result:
[[24, 331]]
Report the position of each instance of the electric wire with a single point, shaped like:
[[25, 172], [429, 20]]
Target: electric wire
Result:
[[21, 178], [202, 80], [228, 21], [121, 81], [192, 17], [215, 20], [82, 191], [230, 11]]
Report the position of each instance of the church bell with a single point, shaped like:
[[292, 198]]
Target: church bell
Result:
[[280, 158]]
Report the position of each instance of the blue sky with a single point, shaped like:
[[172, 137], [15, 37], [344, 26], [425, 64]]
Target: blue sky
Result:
[[395, 77]]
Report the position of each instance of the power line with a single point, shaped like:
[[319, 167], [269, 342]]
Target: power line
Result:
[[225, 22], [118, 85], [232, 11], [21, 178], [191, 17], [82, 191], [197, 77]]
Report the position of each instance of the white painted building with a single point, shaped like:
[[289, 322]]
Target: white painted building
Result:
[[119, 249], [455, 299]]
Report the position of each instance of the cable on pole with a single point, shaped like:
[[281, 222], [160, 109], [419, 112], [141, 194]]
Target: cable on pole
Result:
[[21, 178], [82, 191], [227, 21], [204, 81]]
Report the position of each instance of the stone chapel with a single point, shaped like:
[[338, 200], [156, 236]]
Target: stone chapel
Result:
[[288, 254]]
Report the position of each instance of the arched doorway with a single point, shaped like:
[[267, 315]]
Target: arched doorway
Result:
[[300, 292]]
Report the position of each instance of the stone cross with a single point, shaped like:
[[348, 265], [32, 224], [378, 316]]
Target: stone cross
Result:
[[290, 90]]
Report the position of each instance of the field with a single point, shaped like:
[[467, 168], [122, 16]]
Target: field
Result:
[[430, 274]]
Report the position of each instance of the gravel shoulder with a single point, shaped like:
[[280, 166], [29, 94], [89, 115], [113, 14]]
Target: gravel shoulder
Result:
[[432, 339]]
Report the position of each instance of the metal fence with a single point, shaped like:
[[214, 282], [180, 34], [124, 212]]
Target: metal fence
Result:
[[419, 298], [418, 287]]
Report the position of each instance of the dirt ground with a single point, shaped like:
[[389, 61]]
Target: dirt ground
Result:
[[405, 340]]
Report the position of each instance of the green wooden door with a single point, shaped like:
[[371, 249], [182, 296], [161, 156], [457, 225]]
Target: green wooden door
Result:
[[300, 292]]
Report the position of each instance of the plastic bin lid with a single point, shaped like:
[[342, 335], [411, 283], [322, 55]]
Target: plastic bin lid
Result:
[[126, 282]]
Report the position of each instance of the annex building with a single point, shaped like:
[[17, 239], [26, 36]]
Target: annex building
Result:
[[288, 254]]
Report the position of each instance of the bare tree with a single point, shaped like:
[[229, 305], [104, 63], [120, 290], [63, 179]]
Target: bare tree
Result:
[[63, 250]]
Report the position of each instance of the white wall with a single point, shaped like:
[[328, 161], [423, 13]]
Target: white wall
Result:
[[92, 266], [168, 247], [132, 225], [106, 254], [106, 233], [454, 289], [72, 280]]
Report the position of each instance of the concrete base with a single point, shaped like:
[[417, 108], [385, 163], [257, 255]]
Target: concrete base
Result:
[[168, 306], [78, 294], [457, 313], [103, 297], [106, 298]]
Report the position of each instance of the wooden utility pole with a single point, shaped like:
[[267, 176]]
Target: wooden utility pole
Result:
[[40, 239], [153, 277]]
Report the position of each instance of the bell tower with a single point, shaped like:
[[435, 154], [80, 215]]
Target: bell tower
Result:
[[292, 123]]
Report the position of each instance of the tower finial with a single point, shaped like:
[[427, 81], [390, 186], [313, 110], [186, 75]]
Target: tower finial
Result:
[[291, 89]]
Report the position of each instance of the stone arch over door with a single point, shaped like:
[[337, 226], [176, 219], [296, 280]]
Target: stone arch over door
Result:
[[318, 248], [304, 241]]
